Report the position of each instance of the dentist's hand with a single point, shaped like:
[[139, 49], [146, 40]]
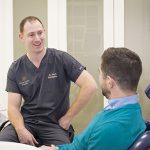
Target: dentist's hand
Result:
[[26, 137], [65, 122]]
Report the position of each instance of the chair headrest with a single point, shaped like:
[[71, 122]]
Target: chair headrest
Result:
[[147, 91], [142, 142], [147, 123]]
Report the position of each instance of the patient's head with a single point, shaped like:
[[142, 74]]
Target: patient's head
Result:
[[121, 67]]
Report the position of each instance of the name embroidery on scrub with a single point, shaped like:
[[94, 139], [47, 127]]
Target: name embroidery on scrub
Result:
[[52, 75], [24, 81]]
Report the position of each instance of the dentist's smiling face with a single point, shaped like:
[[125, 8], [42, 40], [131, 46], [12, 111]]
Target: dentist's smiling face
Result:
[[33, 36]]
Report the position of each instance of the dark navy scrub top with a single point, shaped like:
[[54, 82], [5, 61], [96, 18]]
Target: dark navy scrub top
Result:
[[45, 89]]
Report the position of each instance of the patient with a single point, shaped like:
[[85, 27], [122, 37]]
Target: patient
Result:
[[118, 125]]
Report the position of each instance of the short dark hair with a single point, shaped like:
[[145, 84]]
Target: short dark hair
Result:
[[123, 65], [28, 19]]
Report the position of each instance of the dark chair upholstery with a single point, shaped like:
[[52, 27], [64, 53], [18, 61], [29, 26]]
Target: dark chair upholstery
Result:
[[143, 141], [147, 91]]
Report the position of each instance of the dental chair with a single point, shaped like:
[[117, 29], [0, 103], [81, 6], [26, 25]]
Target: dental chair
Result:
[[143, 141]]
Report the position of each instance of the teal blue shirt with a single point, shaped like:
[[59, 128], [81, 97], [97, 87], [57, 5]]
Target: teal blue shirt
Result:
[[114, 128]]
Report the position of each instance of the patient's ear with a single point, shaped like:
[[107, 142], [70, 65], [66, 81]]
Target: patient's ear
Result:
[[110, 82]]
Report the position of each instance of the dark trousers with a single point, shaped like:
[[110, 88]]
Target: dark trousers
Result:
[[45, 133]]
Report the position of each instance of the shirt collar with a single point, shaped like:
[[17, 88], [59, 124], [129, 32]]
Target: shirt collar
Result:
[[120, 102]]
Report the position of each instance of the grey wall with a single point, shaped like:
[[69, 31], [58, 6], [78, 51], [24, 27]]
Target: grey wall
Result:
[[21, 9], [85, 43], [137, 38]]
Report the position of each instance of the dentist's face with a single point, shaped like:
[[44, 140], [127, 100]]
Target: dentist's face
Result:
[[33, 36]]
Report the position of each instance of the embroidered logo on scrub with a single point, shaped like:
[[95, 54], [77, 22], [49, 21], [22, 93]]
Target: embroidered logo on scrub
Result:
[[52, 75], [24, 81]]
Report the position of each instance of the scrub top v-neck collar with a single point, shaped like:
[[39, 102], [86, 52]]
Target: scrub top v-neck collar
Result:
[[32, 66]]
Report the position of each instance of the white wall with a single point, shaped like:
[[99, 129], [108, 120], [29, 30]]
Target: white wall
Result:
[[113, 25], [6, 47], [57, 30]]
